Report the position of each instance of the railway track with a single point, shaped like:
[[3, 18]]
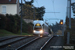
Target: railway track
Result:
[[56, 43], [15, 44], [35, 44], [10, 41], [45, 43], [21, 47], [26, 43], [7, 38]]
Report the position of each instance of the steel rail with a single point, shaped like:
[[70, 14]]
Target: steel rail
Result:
[[27, 43], [2, 46], [9, 38], [46, 43]]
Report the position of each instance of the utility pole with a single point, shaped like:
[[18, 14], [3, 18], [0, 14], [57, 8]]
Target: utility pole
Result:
[[62, 26], [73, 7], [34, 13], [69, 15], [21, 17]]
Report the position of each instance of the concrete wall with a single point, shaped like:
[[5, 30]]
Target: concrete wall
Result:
[[10, 8], [28, 20]]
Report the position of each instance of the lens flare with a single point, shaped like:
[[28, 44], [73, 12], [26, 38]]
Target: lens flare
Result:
[[41, 31], [34, 31]]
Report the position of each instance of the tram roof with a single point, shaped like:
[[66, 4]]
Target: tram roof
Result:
[[38, 21]]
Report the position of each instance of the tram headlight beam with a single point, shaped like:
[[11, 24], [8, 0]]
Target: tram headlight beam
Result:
[[41, 31], [34, 31]]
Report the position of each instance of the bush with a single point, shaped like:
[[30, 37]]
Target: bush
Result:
[[30, 27], [12, 23], [27, 27], [2, 21]]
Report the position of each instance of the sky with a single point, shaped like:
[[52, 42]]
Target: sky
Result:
[[53, 6]]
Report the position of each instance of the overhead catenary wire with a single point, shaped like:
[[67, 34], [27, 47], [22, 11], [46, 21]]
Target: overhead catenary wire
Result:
[[37, 2], [52, 12], [53, 7]]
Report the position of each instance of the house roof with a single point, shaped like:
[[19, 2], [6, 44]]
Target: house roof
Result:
[[7, 1]]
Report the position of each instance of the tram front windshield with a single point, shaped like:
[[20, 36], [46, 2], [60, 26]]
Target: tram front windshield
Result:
[[38, 28]]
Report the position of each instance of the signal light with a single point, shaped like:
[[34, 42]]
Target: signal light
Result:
[[61, 22]]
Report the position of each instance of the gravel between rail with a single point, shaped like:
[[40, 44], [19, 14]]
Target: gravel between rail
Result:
[[10, 41], [7, 38], [36, 45], [19, 41], [17, 44]]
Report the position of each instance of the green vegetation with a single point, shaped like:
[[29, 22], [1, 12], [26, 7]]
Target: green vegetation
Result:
[[12, 24], [7, 33], [29, 11], [56, 27]]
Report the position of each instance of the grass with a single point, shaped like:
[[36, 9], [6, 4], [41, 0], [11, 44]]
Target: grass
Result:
[[7, 33]]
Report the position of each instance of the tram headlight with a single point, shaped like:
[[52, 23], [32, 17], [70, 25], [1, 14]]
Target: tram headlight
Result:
[[34, 31], [41, 31]]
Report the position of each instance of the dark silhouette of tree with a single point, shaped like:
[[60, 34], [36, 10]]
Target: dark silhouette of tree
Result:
[[28, 12], [72, 30], [40, 12], [28, 2], [56, 27]]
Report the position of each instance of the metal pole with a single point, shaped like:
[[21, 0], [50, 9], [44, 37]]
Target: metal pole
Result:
[[34, 13], [70, 16], [67, 9], [63, 30], [68, 34], [21, 17]]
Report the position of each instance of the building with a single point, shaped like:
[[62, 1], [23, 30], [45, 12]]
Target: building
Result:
[[9, 7]]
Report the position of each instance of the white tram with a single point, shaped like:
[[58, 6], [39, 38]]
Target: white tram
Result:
[[40, 29]]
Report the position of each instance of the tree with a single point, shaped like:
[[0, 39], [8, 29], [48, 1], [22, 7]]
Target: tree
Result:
[[56, 27], [29, 2], [72, 30], [40, 12], [28, 11], [13, 23], [2, 21]]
